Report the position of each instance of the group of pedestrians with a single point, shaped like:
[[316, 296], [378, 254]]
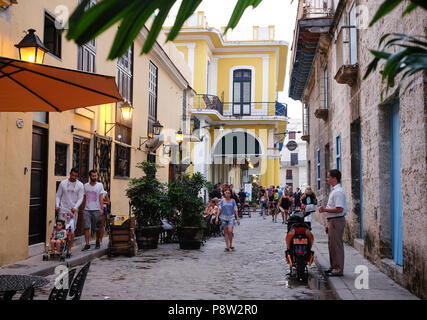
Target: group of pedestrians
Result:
[[70, 195], [276, 199]]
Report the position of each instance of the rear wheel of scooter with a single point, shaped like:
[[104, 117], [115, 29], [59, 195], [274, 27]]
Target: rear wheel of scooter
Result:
[[300, 266]]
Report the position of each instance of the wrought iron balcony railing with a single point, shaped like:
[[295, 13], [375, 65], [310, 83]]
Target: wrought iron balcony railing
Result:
[[239, 109], [316, 9], [207, 101]]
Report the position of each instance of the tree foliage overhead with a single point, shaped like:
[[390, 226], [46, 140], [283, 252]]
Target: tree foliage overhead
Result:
[[86, 24]]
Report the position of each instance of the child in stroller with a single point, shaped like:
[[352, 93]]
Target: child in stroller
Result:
[[59, 237], [59, 241]]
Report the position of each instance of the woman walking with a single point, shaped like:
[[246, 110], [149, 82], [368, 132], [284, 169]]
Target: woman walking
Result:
[[285, 204], [228, 215]]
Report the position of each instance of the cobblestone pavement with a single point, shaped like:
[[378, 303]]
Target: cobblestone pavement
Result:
[[256, 270]]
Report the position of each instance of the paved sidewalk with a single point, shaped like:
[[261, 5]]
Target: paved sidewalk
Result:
[[36, 266], [380, 286]]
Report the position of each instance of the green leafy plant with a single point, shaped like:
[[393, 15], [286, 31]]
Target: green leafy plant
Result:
[[183, 195], [146, 195], [410, 59], [404, 55], [85, 25]]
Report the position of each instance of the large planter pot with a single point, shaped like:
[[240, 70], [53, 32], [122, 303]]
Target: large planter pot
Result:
[[190, 238], [148, 237]]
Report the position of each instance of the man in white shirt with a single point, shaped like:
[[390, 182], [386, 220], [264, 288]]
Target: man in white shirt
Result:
[[69, 197], [94, 209], [336, 209]]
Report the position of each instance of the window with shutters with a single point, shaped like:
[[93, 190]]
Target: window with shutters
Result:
[[242, 92], [125, 85], [294, 159], [86, 54], [152, 96], [52, 36]]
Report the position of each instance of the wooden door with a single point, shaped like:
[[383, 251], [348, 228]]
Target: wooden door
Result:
[[81, 163], [38, 189]]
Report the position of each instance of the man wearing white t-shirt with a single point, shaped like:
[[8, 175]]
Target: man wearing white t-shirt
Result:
[[69, 197], [336, 210], [94, 209]]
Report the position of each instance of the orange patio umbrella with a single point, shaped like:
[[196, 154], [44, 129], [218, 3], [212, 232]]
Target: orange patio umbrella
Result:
[[32, 87]]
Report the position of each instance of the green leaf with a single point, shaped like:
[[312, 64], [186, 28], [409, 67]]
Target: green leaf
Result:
[[130, 28], [87, 25], [386, 7], [238, 11], [185, 11], [164, 7], [411, 7]]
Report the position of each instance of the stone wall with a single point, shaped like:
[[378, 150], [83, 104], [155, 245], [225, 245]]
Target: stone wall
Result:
[[360, 103], [376, 158]]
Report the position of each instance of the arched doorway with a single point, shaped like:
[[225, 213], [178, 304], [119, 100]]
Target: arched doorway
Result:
[[236, 157]]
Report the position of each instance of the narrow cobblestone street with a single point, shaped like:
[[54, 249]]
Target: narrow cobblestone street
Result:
[[256, 270]]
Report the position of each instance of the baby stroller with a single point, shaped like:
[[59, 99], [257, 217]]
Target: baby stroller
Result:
[[65, 242]]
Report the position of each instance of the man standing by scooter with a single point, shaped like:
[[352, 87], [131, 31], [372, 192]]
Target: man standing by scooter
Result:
[[69, 197], [336, 209]]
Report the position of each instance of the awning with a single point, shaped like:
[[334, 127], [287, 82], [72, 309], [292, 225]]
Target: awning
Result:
[[308, 36], [32, 87]]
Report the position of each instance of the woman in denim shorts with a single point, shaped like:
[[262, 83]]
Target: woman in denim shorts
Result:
[[228, 215]]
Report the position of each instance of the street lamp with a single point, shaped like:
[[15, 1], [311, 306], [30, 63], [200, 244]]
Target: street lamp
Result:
[[157, 128], [31, 48], [126, 111]]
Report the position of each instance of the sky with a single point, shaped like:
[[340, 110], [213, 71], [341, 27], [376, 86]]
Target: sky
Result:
[[280, 13]]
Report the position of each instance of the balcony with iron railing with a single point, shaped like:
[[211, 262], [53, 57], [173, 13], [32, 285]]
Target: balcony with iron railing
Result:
[[313, 9], [238, 109]]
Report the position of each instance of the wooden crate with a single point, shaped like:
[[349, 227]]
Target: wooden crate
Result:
[[122, 238]]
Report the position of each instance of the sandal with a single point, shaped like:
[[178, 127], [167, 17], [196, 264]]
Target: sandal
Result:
[[232, 248], [227, 249]]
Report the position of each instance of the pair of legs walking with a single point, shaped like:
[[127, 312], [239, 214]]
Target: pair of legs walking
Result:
[[92, 219], [228, 236]]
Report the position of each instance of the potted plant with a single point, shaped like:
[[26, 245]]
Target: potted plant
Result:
[[146, 195], [183, 194]]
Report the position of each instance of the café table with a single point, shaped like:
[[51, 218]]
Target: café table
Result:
[[11, 283]]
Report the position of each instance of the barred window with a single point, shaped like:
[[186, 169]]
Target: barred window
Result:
[[122, 161], [61, 159]]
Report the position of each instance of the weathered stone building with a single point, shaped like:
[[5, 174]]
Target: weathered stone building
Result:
[[380, 147]]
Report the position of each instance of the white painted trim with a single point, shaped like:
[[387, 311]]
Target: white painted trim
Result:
[[191, 47], [214, 77], [231, 89], [239, 120], [182, 36]]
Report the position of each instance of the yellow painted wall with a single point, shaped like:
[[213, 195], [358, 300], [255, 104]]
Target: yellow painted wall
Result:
[[16, 144]]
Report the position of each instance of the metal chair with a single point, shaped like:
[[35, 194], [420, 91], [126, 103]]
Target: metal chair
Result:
[[28, 294], [76, 287], [61, 294]]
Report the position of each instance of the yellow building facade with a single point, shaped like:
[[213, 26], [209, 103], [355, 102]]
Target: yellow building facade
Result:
[[39, 153], [235, 113]]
